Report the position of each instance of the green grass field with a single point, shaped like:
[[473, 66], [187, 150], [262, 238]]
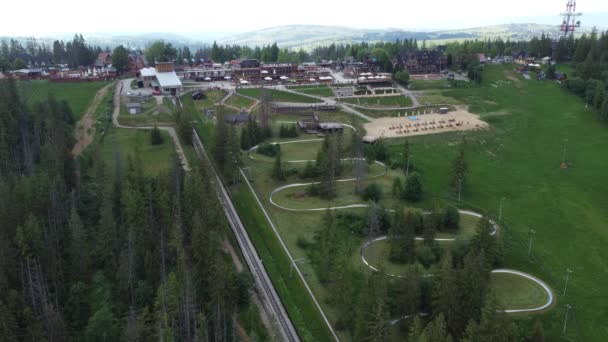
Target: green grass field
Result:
[[78, 95], [380, 101], [436, 97], [278, 95], [518, 158], [151, 114], [516, 292], [301, 309], [131, 142], [323, 91], [239, 101]]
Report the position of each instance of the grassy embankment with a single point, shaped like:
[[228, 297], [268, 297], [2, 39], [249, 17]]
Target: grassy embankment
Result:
[[278, 95], [78, 95]]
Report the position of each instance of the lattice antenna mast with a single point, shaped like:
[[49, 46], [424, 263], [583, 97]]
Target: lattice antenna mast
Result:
[[570, 22]]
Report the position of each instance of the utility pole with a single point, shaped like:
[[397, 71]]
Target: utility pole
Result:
[[459, 188], [568, 271], [500, 209], [568, 307], [532, 232]]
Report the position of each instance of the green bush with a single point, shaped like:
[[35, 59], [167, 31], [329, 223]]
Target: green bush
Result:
[[310, 171], [155, 137], [372, 192], [451, 218], [425, 256], [270, 150], [302, 242], [413, 188]]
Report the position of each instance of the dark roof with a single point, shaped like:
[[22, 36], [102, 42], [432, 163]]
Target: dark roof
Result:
[[237, 118]]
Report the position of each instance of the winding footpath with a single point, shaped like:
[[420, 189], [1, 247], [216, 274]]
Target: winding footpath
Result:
[[364, 246]]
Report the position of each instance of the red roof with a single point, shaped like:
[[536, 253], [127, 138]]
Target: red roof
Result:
[[104, 56]]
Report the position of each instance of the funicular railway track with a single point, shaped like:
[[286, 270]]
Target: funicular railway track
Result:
[[262, 281]]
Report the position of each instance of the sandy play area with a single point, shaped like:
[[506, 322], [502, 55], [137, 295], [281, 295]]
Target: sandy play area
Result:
[[459, 120]]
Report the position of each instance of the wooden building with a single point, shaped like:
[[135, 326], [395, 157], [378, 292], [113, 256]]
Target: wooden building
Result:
[[422, 62]]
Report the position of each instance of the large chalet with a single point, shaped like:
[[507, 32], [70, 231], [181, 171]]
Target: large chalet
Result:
[[422, 62]]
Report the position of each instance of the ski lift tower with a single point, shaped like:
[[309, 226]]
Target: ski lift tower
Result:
[[570, 22]]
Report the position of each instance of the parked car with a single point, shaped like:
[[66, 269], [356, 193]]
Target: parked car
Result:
[[156, 92]]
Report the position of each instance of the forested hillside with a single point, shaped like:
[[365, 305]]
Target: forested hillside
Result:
[[89, 252]]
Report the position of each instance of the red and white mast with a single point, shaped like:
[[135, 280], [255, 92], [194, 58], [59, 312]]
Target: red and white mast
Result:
[[570, 22]]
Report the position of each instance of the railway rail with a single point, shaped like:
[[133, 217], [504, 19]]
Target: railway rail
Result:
[[263, 284]]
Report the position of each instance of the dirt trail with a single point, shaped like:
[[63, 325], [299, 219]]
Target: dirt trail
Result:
[[85, 127]]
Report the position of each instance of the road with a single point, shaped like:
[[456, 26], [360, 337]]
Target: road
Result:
[[126, 84], [270, 297]]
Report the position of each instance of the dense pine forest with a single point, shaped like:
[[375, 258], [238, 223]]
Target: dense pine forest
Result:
[[96, 253]]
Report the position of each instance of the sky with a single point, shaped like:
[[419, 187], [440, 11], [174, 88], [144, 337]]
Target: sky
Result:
[[45, 18]]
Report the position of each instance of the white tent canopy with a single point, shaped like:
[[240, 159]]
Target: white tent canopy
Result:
[[284, 77], [244, 82], [207, 78], [227, 77], [264, 71], [268, 78]]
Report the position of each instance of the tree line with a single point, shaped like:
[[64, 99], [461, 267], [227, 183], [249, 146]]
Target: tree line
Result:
[[94, 249]]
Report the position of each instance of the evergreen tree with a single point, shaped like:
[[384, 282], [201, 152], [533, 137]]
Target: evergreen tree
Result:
[[156, 138], [459, 170], [397, 188], [402, 243], [413, 188], [78, 246], [494, 325], [538, 334], [277, 169], [406, 162], [120, 59]]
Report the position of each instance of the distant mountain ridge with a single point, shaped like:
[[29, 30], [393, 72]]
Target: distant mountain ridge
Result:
[[308, 36]]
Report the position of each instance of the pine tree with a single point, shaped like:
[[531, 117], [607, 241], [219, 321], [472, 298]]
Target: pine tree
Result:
[[494, 325], [459, 170], [406, 159], [413, 188], [277, 170], [403, 244], [604, 110], [409, 297], [220, 139], [599, 96], [78, 246], [156, 137], [397, 188], [538, 335]]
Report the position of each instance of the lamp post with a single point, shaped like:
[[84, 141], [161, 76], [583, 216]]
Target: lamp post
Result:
[[568, 307], [459, 188], [568, 271], [564, 153], [500, 209], [532, 232]]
